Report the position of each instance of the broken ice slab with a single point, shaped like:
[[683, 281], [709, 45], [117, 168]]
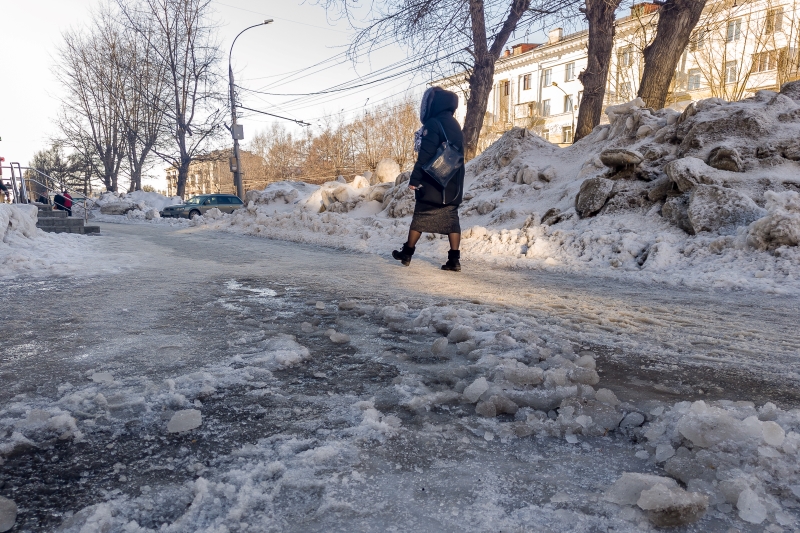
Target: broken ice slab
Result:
[[102, 377], [8, 514], [184, 420], [627, 489], [670, 507]]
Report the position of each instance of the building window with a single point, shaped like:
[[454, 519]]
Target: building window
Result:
[[774, 20], [730, 72], [734, 30], [568, 103], [545, 108], [506, 88], [526, 82], [695, 78], [548, 77], [569, 72], [697, 40], [626, 56], [765, 61], [566, 135], [546, 135], [625, 91]]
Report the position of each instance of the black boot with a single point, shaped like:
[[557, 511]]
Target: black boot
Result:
[[404, 256], [453, 263]]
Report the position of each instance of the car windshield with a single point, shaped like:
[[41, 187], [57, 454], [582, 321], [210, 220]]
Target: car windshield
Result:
[[195, 201]]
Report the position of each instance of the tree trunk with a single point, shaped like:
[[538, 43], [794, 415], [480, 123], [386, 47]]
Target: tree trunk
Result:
[[480, 85], [183, 174], [480, 81], [600, 14], [676, 20]]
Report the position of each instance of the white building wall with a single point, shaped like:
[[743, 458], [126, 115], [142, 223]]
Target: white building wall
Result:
[[527, 107]]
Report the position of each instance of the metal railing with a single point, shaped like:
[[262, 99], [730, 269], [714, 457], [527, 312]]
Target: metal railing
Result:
[[21, 195]]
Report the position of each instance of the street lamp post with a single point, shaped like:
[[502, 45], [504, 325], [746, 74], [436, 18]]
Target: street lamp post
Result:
[[237, 132], [572, 110]]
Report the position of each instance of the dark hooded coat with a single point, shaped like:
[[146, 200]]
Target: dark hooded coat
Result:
[[436, 114]]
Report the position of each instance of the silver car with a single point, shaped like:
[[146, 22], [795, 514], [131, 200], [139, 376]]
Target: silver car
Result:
[[198, 205]]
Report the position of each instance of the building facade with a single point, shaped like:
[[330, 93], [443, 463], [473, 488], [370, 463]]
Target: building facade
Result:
[[737, 49], [212, 174]]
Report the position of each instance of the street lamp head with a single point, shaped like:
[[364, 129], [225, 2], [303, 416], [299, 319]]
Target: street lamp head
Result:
[[268, 21], [555, 84]]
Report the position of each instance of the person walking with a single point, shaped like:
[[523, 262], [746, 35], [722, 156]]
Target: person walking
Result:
[[58, 202], [68, 203], [436, 209]]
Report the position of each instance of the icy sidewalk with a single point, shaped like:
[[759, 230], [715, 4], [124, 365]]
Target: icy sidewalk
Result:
[[351, 415]]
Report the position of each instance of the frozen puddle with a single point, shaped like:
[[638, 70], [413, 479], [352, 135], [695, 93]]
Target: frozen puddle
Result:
[[423, 419]]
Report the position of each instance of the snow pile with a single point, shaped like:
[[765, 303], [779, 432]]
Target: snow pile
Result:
[[744, 459], [25, 429], [17, 220], [706, 197], [135, 206], [27, 250]]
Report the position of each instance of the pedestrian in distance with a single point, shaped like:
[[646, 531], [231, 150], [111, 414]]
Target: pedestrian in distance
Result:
[[5, 192], [58, 202], [68, 203], [438, 176]]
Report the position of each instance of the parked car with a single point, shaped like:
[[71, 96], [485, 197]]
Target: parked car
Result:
[[199, 205]]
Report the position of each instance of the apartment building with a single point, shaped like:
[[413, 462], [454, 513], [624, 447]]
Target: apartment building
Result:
[[737, 48], [211, 174]]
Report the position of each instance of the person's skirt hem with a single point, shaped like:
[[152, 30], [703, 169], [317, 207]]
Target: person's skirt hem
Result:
[[443, 220]]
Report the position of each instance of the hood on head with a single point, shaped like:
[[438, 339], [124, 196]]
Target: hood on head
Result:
[[435, 101]]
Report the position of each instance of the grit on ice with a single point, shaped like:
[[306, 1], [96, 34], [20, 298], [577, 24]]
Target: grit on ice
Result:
[[618, 354]]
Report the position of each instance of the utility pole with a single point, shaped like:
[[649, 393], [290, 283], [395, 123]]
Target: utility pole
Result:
[[237, 132]]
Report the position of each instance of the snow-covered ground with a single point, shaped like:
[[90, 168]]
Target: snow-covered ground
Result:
[[231, 389], [30, 252], [612, 382]]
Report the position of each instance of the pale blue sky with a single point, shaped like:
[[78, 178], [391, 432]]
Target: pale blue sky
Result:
[[301, 36], [278, 58]]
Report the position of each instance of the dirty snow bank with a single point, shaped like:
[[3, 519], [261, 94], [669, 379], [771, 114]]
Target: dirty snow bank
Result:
[[133, 206], [29, 251], [706, 198]]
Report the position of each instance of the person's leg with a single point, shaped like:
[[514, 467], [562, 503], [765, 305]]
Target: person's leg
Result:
[[404, 255], [454, 255], [413, 237], [455, 240]]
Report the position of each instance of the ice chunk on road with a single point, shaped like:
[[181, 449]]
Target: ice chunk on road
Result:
[[664, 452], [103, 377], [339, 338], [320, 305], [461, 333], [8, 514], [670, 507], [439, 346], [709, 426], [627, 489], [772, 433], [476, 389], [607, 397], [750, 507], [184, 420], [632, 420]]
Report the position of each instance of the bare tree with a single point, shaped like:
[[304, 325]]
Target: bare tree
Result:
[[140, 102], [468, 34], [600, 14], [182, 37], [88, 68], [676, 20]]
